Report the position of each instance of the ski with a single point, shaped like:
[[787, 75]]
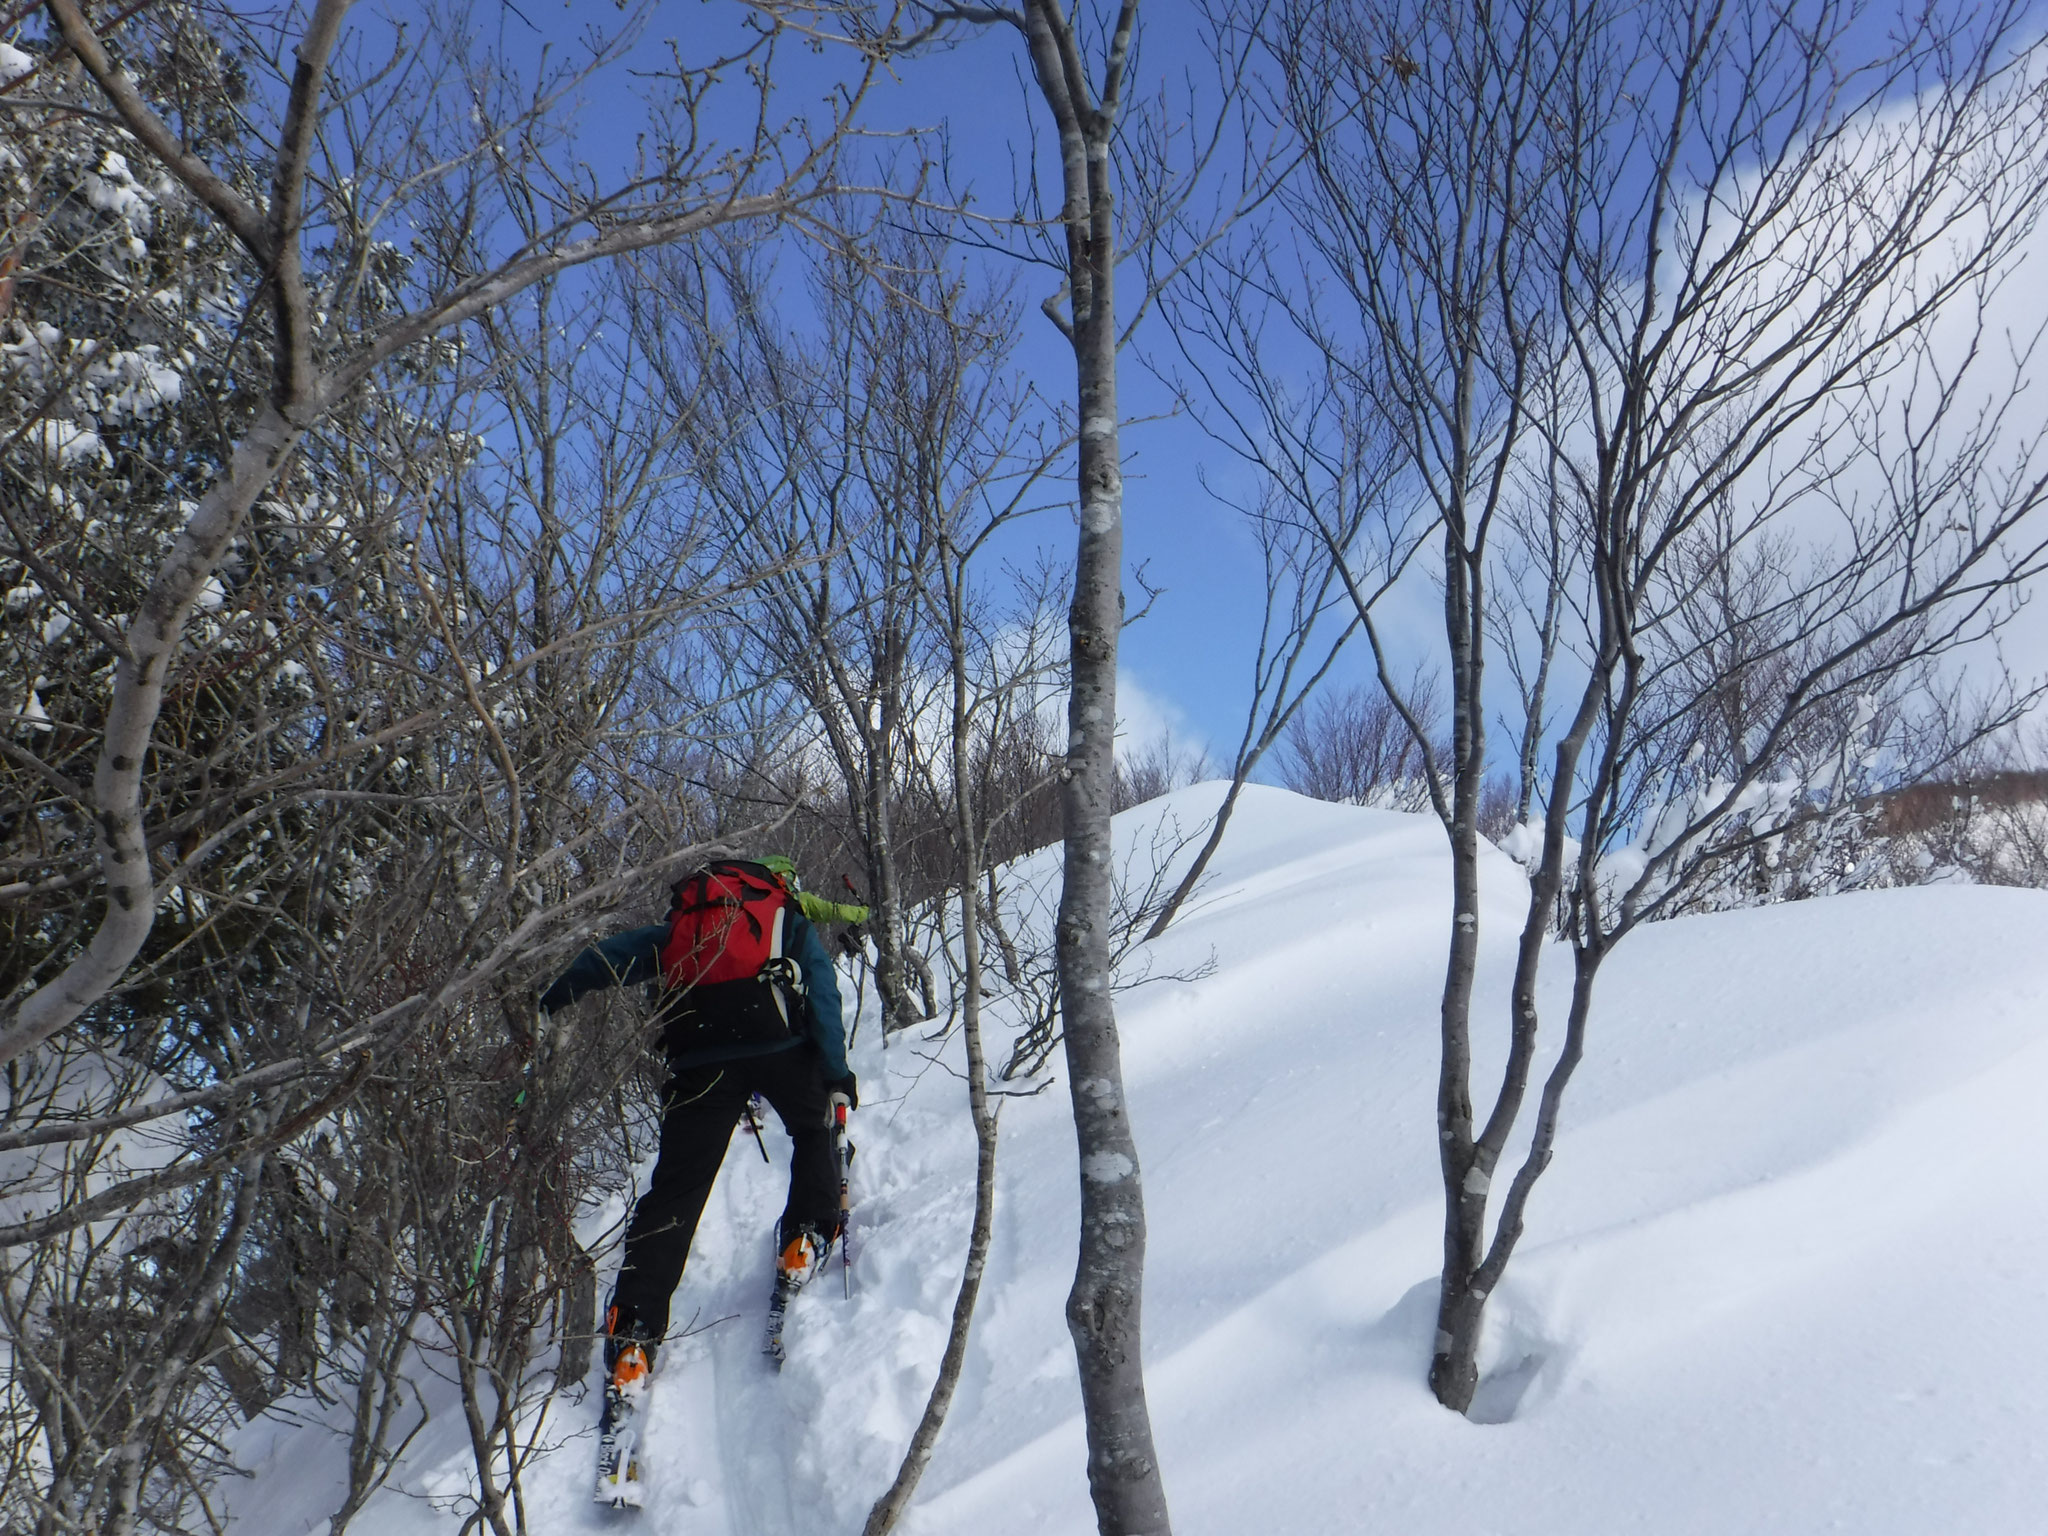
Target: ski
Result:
[[618, 1451], [618, 1431], [778, 1314]]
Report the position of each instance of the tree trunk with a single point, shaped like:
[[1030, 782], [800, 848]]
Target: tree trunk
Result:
[[1453, 1372], [152, 636], [1013, 965], [1103, 1308], [1196, 870], [1472, 1267], [886, 927], [889, 1508]]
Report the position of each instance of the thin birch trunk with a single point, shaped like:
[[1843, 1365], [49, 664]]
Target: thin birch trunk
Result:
[[1103, 1308], [1453, 1370], [967, 839], [887, 926]]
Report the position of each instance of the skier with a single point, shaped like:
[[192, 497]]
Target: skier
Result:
[[749, 1003]]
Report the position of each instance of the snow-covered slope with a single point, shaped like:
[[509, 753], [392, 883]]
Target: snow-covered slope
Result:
[[1787, 1273]]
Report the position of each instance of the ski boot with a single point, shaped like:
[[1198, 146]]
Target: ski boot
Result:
[[801, 1258], [627, 1362]]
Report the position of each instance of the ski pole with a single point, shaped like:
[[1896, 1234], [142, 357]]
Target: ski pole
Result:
[[843, 1154], [754, 1125]]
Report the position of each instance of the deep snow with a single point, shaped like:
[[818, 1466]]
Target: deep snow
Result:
[[1787, 1273]]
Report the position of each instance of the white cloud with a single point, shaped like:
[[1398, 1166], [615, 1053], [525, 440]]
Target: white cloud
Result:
[[1143, 716]]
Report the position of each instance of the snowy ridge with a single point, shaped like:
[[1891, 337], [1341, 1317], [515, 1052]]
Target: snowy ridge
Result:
[[1786, 1274]]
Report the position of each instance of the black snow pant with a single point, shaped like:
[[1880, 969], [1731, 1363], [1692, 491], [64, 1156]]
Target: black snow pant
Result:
[[699, 1111]]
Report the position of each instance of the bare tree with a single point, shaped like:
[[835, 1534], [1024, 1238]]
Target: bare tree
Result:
[[1103, 1308], [979, 465], [1354, 747], [318, 360], [1321, 478], [405, 742], [816, 453], [1650, 265], [1157, 767]]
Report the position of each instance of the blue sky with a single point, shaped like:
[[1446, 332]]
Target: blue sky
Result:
[[1187, 663]]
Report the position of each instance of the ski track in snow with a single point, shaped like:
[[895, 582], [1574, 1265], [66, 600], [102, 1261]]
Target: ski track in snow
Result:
[[1785, 1275]]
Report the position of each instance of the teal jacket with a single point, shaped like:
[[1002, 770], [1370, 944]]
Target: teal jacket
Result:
[[634, 957]]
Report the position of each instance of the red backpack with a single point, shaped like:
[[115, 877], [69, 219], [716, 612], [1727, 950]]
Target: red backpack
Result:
[[723, 965]]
